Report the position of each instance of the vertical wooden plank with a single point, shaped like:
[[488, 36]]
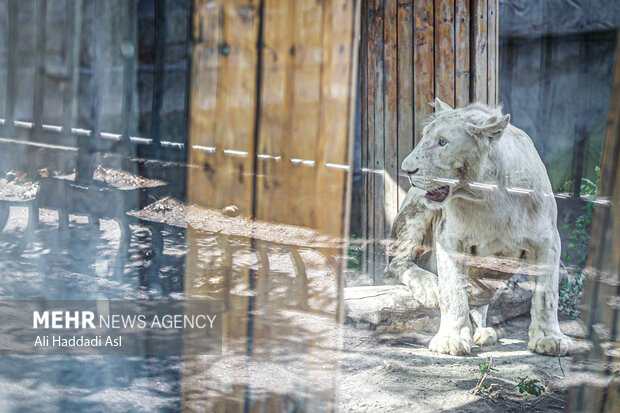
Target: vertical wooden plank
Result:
[[73, 38], [235, 24], [390, 124], [39, 63], [222, 119], [493, 50], [444, 50], [277, 108], [271, 201], [222, 129], [379, 144], [11, 84], [338, 80], [405, 91], [303, 94], [423, 65], [207, 34], [372, 96], [480, 51], [462, 68], [87, 144], [158, 75], [129, 48], [188, 76], [364, 68]]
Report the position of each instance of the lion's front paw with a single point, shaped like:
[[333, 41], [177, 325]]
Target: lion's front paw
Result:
[[555, 344], [485, 336], [424, 287], [450, 344]]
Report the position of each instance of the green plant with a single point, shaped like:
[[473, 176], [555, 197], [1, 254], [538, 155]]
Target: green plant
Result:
[[575, 254], [354, 254], [486, 367], [531, 386], [570, 295]]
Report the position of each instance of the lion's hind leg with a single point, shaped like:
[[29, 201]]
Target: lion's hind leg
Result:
[[483, 335]]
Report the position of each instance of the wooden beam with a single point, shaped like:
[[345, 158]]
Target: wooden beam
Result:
[[602, 288]]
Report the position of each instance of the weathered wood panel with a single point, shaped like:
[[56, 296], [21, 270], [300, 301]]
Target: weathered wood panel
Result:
[[462, 71], [390, 123], [492, 51], [444, 51], [480, 50], [273, 92], [413, 51], [600, 388], [405, 91], [423, 63], [221, 138]]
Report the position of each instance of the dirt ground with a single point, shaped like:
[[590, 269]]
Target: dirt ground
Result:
[[377, 373], [396, 374]]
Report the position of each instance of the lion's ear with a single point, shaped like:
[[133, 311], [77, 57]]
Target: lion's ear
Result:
[[440, 105], [492, 128]]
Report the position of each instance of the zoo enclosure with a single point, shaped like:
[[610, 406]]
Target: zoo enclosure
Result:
[[412, 52]]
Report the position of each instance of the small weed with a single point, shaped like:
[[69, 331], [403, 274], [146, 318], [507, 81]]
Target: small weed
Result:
[[570, 295], [531, 386], [354, 254], [578, 242], [486, 367]]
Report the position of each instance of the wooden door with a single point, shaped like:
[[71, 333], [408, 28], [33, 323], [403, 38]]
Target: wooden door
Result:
[[271, 117]]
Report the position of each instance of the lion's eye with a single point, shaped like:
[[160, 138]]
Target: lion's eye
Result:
[[442, 142]]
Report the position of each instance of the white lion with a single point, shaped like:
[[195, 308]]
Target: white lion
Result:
[[479, 189]]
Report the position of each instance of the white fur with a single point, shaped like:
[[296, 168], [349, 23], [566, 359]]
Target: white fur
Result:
[[512, 215]]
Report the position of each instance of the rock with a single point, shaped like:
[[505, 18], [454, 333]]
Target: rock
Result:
[[230, 211], [392, 308], [388, 308], [10, 176], [510, 301]]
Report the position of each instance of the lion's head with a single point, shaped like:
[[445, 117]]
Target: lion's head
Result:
[[453, 148]]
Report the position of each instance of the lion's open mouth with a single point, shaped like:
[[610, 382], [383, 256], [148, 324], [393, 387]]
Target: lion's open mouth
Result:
[[438, 194]]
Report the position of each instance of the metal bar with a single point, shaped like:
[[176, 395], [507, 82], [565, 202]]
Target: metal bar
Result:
[[158, 76], [128, 50], [11, 84], [39, 62]]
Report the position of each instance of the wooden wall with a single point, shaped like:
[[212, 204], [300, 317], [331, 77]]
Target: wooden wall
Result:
[[270, 132], [411, 52], [271, 121], [600, 389]]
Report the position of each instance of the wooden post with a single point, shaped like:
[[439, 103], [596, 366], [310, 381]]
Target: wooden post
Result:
[[600, 389], [271, 121], [413, 51]]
